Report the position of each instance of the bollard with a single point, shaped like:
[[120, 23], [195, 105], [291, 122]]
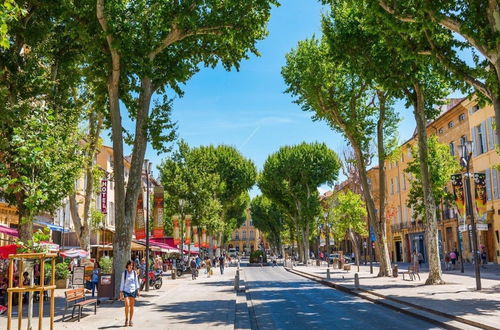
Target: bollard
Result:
[[328, 273], [174, 274], [237, 281], [356, 281]]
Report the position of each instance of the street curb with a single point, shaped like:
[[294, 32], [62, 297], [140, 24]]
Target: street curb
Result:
[[359, 293], [242, 313]]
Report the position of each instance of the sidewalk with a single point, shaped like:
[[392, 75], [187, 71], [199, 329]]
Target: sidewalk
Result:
[[205, 303], [457, 297]]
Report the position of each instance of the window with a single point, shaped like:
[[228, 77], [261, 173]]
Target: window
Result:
[[495, 183], [474, 109], [370, 183], [463, 138], [451, 124], [441, 131], [403, 182], [408, 151], [452, 149], [251, 222], [251, 234], [237, 236], [399, 214], [111, 161], [397, 184], [111, 213], [461, 118], [244, 234], [479, 139], [392, 186]]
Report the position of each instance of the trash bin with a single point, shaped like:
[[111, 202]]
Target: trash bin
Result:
[[318, 262], [395, 270]]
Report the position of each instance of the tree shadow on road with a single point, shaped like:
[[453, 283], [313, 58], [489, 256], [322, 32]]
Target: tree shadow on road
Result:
[[213, 312]]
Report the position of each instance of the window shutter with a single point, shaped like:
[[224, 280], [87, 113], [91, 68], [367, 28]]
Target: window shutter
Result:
[[494, 181], [488, 185], [483, 136], [489, 129], [473, 136]]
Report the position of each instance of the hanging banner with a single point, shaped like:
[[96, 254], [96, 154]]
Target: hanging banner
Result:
[[196, 240], [204, 238], [140, 227], [175, 223], [104, 196], [480, 201], [187, 240], [458, 193], [158, 212]]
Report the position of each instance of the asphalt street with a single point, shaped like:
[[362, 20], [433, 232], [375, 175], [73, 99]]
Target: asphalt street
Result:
[[282, 300]]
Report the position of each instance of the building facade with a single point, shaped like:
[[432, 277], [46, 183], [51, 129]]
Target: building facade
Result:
[[460, 120], [247, 238]]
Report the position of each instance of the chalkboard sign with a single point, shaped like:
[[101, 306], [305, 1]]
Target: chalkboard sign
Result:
[[78, 279]]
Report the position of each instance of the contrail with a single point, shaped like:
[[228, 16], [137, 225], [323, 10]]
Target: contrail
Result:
[[250, 136]]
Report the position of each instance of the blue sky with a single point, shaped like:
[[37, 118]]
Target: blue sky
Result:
[[248, 109]]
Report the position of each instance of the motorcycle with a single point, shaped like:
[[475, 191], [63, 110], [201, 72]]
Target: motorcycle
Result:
[[155, 279]]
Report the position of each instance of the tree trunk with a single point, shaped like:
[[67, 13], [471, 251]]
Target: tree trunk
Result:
[[378, 226], [430, 204], [25, 229], [355, 244], [305, 245]]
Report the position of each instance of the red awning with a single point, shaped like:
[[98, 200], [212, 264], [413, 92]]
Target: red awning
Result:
[[9, 231], [6, 250]]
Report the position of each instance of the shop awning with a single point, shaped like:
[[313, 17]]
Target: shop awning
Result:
[[6, 250], [9, 231], [74, 253], [52, 227], [167, 248], [134, 246]]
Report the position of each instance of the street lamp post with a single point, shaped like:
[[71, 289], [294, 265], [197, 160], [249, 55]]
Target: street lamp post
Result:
[[147, 169], [465, 158]]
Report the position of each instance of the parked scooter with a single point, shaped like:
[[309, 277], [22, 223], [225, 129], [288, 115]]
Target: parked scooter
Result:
[[155, 280]]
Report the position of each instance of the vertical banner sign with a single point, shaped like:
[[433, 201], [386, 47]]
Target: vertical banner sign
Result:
[[175, 223], [458, 194], [158, 212], [204, 238], [187, 240], [104, 196], [480, 190], [140, 227], [196, 240]]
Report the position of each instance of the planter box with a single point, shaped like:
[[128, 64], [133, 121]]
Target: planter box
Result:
[[62, 284]]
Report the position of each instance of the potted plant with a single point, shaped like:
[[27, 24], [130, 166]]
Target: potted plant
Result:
[[62, 275], [106, 265]]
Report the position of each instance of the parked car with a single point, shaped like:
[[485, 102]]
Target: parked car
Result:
[[349, 257]]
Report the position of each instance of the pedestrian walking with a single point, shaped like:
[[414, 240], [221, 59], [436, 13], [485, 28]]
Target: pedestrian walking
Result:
[[208, 264], [484, 257], [194, 268], [95, 277], [414, 260], [453, 259], [129, 291], [221, 264], [420, 259], [261, 260], [447, 261]]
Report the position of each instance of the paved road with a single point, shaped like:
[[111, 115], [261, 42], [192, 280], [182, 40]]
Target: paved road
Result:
[[282, 300]]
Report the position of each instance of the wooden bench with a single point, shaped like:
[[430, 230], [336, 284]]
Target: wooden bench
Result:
[[412, 273], [76, 298]]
